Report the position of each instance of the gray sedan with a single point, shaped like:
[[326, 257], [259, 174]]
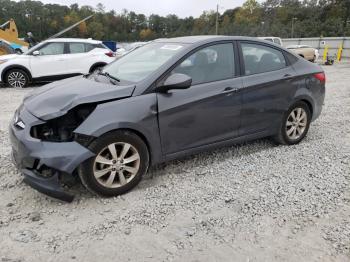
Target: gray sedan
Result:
[[162, 101]]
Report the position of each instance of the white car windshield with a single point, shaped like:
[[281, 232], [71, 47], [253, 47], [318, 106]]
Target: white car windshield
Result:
[[30, 50], [143, 61]]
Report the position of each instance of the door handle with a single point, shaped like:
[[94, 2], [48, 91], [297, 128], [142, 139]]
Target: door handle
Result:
[[287, 77], [230, 90]]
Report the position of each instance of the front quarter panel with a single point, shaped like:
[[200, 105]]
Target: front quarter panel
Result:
[[138, 114], [21, 61]]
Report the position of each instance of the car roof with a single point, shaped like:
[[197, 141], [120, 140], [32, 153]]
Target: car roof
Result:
[[79, 40], [269, 37], [297, 46], [202, 39]]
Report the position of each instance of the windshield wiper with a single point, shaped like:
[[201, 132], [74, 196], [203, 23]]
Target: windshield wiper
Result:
[[109, 76]]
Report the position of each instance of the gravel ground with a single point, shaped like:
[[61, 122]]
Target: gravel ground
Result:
[[251, 202]]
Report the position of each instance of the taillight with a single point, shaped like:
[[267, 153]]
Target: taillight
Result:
[[321, 77], [110, 54]]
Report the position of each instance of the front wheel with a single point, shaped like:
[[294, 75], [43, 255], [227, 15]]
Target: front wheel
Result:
[[295, 125], [17, 78], [121, 160]]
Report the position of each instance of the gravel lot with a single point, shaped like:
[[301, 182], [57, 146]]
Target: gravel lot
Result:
[[252, 202]]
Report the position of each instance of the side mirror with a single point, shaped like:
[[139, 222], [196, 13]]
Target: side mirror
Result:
[[175, 81], [36, 53]]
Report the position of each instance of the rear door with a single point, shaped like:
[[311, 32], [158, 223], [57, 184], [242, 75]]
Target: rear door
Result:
[[79, 60], [208, 111], [269, 85]]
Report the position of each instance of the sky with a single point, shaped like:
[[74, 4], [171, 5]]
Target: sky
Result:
[[182, 8]]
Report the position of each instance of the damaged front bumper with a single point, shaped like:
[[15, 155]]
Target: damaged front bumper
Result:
[[50, 186], [36, 157]]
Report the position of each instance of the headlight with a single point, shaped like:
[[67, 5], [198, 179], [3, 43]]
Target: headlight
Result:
[[17, 121], [61, 129], [2, 61], [15, 117]]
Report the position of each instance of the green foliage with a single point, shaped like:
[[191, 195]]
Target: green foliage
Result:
[[313, 18]]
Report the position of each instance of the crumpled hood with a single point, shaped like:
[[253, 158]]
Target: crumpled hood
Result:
[[56, 99]]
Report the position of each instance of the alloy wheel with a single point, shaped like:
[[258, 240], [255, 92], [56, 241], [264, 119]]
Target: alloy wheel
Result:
[[116, 165], [16, 79], [296, 123]]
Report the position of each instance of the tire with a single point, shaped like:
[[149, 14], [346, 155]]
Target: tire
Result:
[[5, 49], [301, 125], [103, 178], [18, 51], [17, 78], [96, 67]]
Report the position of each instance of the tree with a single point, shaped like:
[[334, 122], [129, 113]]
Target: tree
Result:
[[82, 29], [146, 34], [253, 18]]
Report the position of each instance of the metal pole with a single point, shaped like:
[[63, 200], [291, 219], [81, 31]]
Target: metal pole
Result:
[[263, 28], [217, 20], [69, 28], [293, 19]]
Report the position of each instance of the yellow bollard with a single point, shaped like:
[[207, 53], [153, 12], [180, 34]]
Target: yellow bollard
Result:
[[339, 52], [325, 54]]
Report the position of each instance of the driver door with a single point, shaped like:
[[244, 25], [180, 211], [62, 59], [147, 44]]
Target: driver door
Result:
[[208, 111], [50, 62]]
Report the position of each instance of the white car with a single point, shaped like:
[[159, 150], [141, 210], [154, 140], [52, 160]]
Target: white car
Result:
[[129, 48], [54, 59], [272, 39]]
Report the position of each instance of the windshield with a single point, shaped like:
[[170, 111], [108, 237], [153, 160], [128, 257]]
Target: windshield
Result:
[[142, 62], [30, 50]]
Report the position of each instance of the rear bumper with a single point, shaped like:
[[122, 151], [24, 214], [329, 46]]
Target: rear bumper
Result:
[[32, 156], [319, 102]]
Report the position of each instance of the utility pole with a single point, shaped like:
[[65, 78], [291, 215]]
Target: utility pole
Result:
[[217, 20], [263, 28], [293, 19]]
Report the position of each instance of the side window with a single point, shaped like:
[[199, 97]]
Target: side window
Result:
[[209, 64], [52, 49], [89, 47], [76, 48], [260, 58]]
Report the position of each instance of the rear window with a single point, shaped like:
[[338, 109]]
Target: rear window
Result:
[[76, 48], [90, 47], [291, 58], [260, 58]]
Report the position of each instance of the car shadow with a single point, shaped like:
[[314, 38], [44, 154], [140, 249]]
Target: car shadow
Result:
[[182, 165], [210, 157]]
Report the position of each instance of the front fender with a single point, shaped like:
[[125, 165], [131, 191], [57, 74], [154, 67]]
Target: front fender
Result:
[[138, 114], [12, 66]]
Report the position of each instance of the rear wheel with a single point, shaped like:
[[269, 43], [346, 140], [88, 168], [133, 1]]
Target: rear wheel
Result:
[[17, 78], [295, 125], [121, 160], [5, 49]]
